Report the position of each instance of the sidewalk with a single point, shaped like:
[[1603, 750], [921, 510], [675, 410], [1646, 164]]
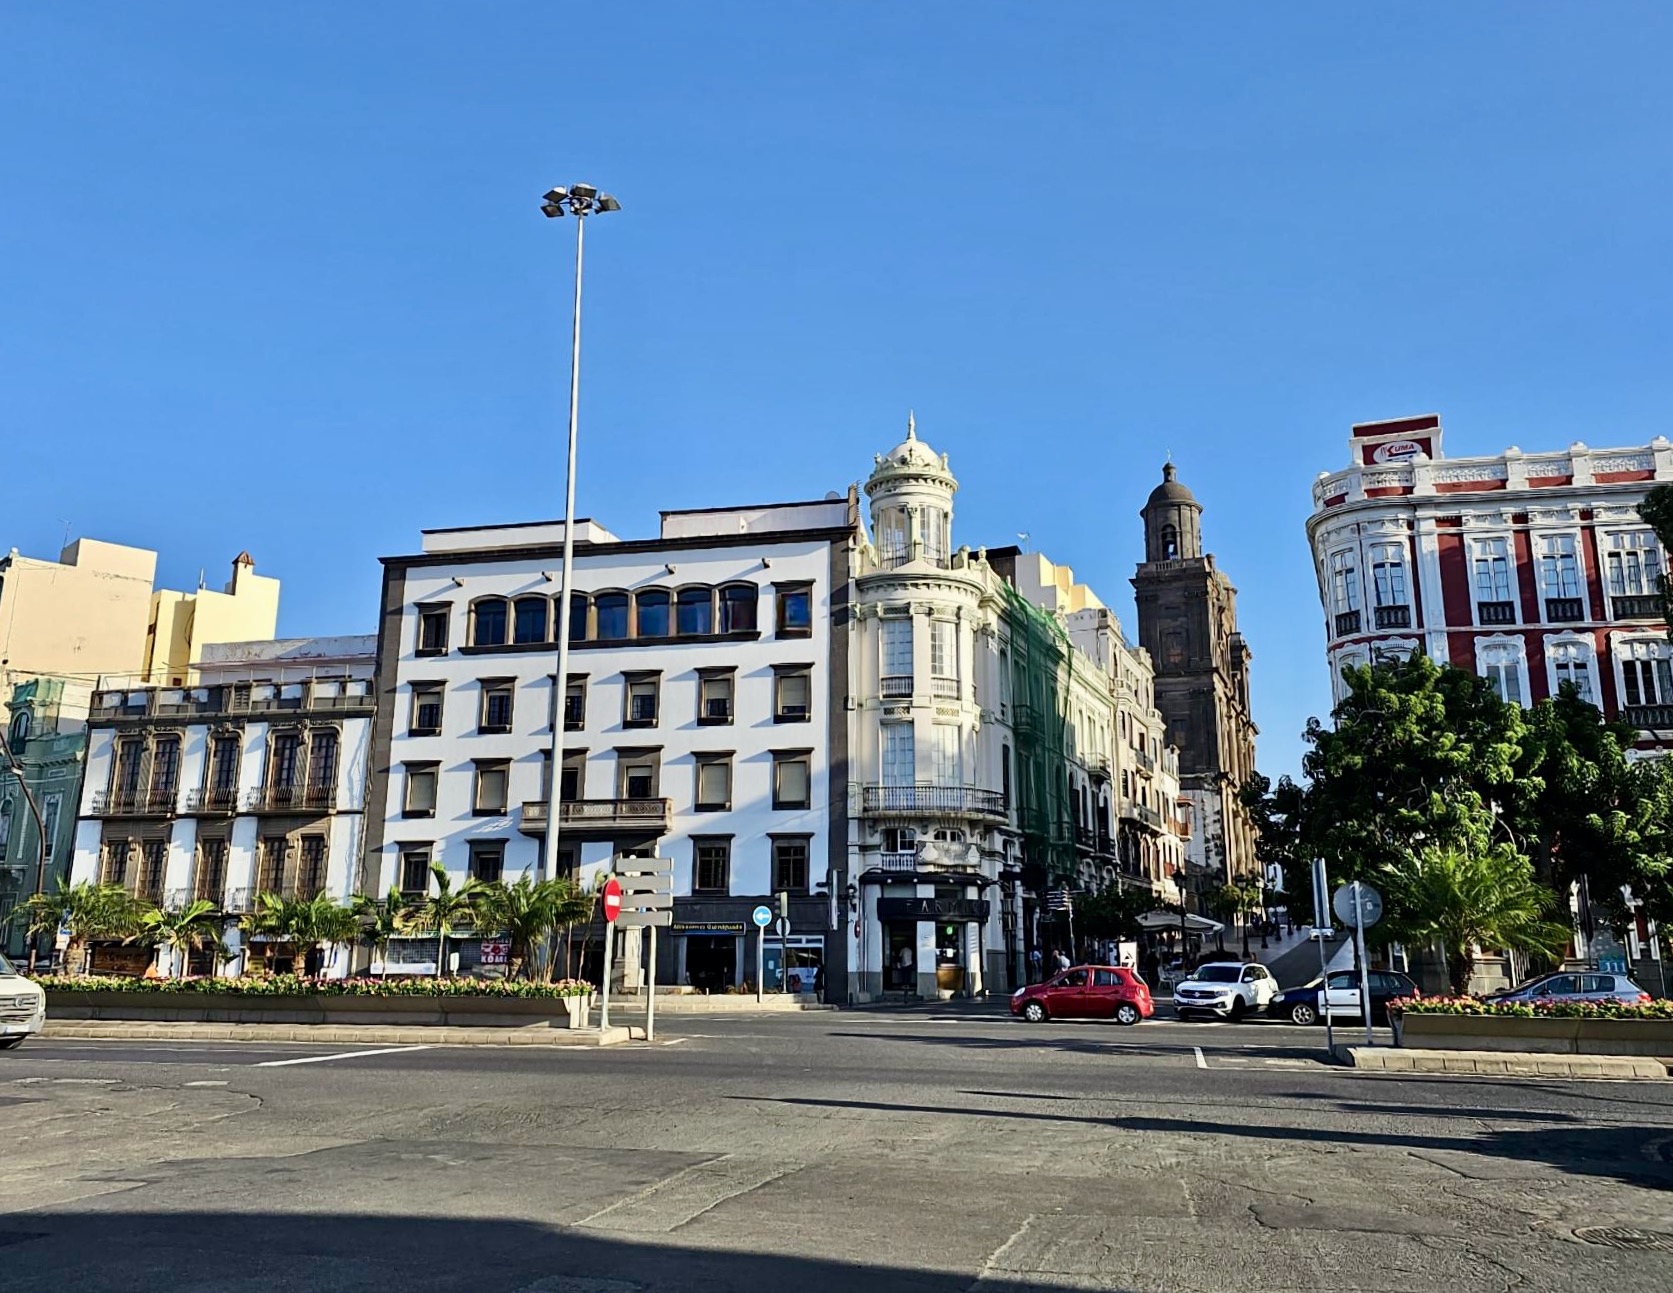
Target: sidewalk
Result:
[[1400, 1059]]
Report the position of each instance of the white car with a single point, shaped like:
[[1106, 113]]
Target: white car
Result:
[[22, 1006], [1225, 989]]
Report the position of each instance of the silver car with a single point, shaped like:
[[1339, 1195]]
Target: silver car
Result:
[[22, 1006], [1572, 986]]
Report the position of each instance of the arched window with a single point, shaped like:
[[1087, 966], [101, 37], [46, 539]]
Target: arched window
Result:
[[578, 606], [529, 622], [933, 523], [891, 537], [737, 608], [652, 606], [611, 610], [20, 730], [5, 826], [695, 611], [488, 622], [1170, 543]]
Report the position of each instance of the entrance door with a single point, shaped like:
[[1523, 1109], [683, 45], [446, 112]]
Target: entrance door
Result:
[[711, 961], [900, 970]]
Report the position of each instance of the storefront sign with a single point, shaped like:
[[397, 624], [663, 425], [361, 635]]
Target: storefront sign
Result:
[[496, 951], [708, 927], [954, 909]]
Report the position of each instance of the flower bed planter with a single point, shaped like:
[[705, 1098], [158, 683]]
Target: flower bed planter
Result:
[[1549, 1035], [239, 1008]]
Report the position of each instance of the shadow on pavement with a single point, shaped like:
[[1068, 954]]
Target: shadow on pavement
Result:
[[1609, 1151], [297, 1252]]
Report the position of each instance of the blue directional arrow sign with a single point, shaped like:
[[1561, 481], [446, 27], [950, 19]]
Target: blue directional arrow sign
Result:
[[762, 916]]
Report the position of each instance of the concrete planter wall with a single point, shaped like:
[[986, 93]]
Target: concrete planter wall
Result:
[[1547, 1036], [227, 1008]]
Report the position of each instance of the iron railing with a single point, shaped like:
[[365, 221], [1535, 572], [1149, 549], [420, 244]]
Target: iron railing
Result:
[[600, 814], [1347, 622], [1393, 617], [292, 799], [1649, 718], [1635, 607], [1564, 610], [134, 803], [964, 801], [212, 799], [897, 685], [1496, 612]]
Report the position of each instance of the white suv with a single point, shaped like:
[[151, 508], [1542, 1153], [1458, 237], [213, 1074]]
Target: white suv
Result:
[[22, 1006], [1225, 989]]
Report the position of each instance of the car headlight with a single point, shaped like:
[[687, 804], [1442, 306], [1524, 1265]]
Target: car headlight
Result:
[[1018, 993]]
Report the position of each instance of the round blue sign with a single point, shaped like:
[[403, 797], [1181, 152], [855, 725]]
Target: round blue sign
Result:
[[762, 916]]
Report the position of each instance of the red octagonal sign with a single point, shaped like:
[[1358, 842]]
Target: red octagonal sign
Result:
[[612, 899]]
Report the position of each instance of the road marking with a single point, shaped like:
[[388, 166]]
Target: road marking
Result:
[[345, 1055], [1201, 1062], [206, 1084], [675, 1041]]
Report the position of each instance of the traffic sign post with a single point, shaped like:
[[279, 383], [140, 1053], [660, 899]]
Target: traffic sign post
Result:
[[1362, 905], [612, 910], [1321, 889], [647, 901], [762, 916]]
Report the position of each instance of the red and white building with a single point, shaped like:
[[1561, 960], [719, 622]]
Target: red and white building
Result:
[[1529, 569]]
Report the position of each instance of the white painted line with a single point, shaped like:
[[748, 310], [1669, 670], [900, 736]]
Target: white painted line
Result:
[[206, 1084], [1201, 1062], [345, 1055], [674, 1041]]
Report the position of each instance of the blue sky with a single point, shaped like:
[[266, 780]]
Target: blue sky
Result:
[[274, 276]]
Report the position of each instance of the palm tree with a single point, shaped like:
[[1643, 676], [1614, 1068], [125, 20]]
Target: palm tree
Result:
[[84, 912], [192, 928], [381, 921], [529, 913], [300, 925], [1461, 898], [447, 907]]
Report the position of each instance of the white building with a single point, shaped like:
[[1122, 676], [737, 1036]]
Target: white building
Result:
[[703, 718], [252, 779]]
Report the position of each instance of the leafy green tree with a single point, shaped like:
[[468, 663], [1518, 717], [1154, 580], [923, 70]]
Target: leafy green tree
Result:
[[380, 922], [1456, 897], [1278, 812], [444, 910], [1657, 512], [1113, 913], [193, 928], [299, 925], [85, 912]]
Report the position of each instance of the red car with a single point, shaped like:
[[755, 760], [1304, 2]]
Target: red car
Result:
[[1086, 992]]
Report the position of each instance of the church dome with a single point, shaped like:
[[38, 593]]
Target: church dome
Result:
[[1170, 490], [911, 459]]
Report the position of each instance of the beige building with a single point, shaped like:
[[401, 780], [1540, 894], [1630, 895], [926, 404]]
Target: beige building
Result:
[[183, 624]]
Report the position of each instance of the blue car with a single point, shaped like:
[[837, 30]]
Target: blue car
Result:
[[1305, 1005]]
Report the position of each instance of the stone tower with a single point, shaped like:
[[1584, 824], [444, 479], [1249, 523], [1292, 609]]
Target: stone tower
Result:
[[1187, 612]]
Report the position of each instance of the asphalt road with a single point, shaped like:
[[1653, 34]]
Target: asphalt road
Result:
[[930, 1150]]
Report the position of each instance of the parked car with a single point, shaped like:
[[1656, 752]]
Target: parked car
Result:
[[22, 1006], [1086, 992], [1305, 1005], [1227, 989], [1569, 986]]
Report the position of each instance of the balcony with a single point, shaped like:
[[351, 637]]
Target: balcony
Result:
[[1495, 612], [600, 817], [1347, 622], [134, 803], [1564, 610], [897, 686], [329, 694], [897, 861], [1146, 760], [1393, 617], [1649, 718], [292, 799], [931, 801], [944, 688], [212, 799], [1633, 607], [1144, 815]]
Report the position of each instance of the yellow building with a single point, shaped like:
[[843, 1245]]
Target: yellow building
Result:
[[182, 624]]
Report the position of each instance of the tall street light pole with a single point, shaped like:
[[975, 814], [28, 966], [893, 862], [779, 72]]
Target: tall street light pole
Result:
[[580, 201]]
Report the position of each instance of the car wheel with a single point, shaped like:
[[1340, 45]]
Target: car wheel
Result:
[[1034, 1013], [1237, 1009], [1304, 1014], [10, 1043], [1127, 1014]]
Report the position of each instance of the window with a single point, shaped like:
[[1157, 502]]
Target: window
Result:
[[1492, 570], [793, 694], [795, 610], [432, 630], [211, 880], [573, 776], [492, 778], [1571, 662], [420, 798], [270, 864], [891, 537], [282, 761], [165, 767], [1501, 664], [711, 864], [1634, 564], [426, 709], [790, 864], [1005, 775], [933, 526], [652, 608], [1344, 583], [496, 705], [898, 757], [322, 762], [415, 869], [792, 778], [20, 731], [487, 861], [1388, 574], [942, 663], [578, 608], [575, 705], [1646, 675], [643, 692], [897, 647], [1106, 979], [125, 779], [1559, 571], [310, 867], [51, 806], [488, 622], [1170, 543], [5, 827], [223, 765], [948, 765], [714, 696], [694, 611], [638, 776], [154, 856], [113, 867], [714, 782], [529, 624], [610, 611], [737, 608]]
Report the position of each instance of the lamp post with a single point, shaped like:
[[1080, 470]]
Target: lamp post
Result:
[[580, 201]]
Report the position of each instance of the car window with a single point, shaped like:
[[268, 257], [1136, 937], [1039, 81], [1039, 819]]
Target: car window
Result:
[[6, 967], [1073, 979], [1339, 982], [1393, 983], [1105, 979], [1559, 985], [1599, 983], [1250, 974], [1217, 974]]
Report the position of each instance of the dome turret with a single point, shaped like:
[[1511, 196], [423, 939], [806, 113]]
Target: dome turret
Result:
[[1172, 520], [911, 490]]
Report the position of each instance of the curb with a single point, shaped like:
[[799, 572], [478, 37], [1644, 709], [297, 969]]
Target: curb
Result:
[[1515, 1064], [336, 1034]]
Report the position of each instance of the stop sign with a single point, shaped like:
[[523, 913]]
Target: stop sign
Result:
[[612, 899]]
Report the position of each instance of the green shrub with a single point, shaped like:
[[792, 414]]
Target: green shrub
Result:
[[1533, 1009], [292, 985]]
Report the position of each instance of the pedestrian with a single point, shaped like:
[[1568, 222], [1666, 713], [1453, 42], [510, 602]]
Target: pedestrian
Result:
[[1062, 961], [1036, 963]]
